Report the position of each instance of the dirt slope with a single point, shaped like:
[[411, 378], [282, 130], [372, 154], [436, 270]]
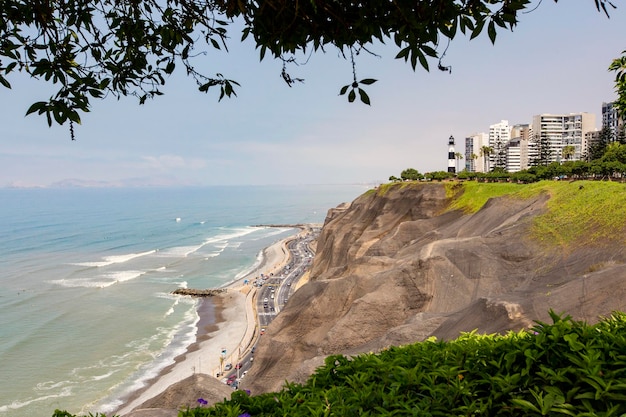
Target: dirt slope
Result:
[[392, 269]]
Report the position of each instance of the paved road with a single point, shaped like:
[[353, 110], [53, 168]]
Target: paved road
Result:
[[273, 293]]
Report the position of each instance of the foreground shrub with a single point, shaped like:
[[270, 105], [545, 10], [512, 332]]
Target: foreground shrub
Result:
[[565, 368]]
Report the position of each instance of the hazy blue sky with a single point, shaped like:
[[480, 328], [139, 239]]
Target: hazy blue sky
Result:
[[554, 62]]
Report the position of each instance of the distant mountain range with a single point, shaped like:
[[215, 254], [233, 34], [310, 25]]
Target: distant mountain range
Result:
[[122, 183]]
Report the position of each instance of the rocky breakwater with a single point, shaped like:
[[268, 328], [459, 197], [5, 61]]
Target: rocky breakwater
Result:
[[199, 293], [397, 266]]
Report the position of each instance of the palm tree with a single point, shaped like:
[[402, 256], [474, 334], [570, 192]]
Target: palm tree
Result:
[[458, 156], [473, 157], [485, 151], [568, 152]]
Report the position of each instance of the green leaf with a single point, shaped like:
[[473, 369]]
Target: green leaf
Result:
[[367, 81], [526, 405], [10, 67], [479, 28], [404, 53], [245, 34], [352, 96], [491, 31], [74, 116], [364, 97], [344, 89], [38, 106], [423, 60], [4, 82]]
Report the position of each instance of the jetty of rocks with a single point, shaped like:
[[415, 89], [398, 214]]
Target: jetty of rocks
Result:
[[199, 293]]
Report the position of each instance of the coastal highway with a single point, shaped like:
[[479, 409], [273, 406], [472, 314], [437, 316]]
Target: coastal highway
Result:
[[273, 294], [274, 291]]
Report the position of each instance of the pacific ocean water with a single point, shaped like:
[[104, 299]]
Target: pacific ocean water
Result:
[[86, 275]]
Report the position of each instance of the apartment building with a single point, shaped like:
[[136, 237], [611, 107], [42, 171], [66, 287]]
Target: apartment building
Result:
[[474, 161], [499, 137], [517, 149], [553, 132], [612, 121]]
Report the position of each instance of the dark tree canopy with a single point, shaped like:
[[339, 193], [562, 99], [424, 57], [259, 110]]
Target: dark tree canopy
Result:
[[93, 49]]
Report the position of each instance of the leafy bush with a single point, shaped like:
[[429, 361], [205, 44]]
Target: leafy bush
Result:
[[566, 368]]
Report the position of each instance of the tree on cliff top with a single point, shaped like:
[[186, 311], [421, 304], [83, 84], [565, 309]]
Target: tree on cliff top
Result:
[[92, 49]]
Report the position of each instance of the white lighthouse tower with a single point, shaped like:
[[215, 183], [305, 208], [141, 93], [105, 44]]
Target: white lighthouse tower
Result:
[[451, 155]]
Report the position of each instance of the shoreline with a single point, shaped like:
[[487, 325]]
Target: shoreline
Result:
[[225, 321]]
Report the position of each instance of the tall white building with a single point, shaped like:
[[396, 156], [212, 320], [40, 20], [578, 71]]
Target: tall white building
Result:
[[474, 162], [517, 149], [499, 136], [553, 132]]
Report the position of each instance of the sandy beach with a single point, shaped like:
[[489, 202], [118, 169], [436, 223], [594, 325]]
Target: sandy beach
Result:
[[226, 321]]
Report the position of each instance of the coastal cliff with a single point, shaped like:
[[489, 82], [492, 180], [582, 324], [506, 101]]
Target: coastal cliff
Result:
[[399, 264]]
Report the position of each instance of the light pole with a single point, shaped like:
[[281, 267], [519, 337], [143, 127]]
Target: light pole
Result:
[[222, 359]]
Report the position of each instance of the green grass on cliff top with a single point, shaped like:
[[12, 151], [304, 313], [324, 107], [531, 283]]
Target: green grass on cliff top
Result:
[[576, 216]]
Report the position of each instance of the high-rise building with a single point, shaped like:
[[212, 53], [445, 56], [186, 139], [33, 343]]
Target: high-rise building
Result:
[[592, 140], [499, 136], [474, 161], [517, 149], [552, 133], [612, 121]]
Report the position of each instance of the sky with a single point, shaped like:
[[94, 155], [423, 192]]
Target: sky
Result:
[[555, 61]]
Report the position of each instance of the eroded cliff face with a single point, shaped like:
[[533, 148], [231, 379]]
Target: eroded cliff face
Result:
[[395, 267]]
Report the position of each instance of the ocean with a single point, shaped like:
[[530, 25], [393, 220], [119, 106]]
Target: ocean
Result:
[[86, 275]]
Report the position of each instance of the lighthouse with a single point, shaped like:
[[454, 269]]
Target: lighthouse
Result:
[[451, 155]]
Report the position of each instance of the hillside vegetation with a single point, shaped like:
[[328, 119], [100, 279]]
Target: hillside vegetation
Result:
[[579, 213]]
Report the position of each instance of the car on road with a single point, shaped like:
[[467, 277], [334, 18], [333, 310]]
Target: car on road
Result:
[[262, 331], [239, 365]]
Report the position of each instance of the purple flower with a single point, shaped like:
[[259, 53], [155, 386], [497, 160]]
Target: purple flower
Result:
[[202, 401], [244, 415], [248, 391]]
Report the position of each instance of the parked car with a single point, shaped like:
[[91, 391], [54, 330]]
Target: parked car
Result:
[[228, 367]]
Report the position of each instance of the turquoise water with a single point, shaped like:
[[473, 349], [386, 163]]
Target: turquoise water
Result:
[[86, 275]]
